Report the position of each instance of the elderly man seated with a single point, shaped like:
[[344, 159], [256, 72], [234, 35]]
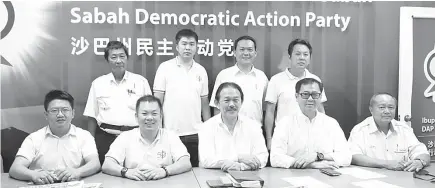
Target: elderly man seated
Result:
[[228, 140], [382, 142], [148, 152], [59, 151]]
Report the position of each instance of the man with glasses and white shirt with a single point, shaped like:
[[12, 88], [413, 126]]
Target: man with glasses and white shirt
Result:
[[309, 139], [58, 152]]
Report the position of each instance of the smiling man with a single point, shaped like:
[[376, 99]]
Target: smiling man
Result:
[[309, 139], [182, 82], [229, 140], [57, 152], [382, 142], [252, 81], [280, 98], [112, 98], [150, 152]]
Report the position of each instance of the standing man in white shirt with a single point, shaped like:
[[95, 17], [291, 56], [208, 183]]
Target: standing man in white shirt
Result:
[[252, 81], [58, 152], [309, 139], [382, 142], [229, 140], [280, 98], [112, 98], [181, 84]]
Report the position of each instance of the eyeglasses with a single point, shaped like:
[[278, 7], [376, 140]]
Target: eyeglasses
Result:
[[55, 111], [307, 95]]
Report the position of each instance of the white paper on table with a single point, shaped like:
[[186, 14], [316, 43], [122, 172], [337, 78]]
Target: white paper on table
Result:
[[360, 173], [306, 182], [374, 183]]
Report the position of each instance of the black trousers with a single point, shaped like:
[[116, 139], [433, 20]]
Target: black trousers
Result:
[[191, 143], [103, 140]]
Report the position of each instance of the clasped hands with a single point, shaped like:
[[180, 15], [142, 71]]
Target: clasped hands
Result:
[[309, 160], [145, 174], [48, 177], [249, 160], [409, 166]]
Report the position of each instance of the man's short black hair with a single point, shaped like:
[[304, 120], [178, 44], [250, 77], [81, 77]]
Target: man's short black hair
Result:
[[228, 85], [308, 81], [298, 41], [58, 94], [246, 37], [112, 45], [185, 33]]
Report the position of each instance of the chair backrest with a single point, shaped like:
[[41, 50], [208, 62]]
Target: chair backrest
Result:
[[12, 139]]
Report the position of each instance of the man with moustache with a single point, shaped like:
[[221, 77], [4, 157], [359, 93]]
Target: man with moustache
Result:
[[58, 152], [229, 140], [252, 81], [112, 98], [309, 138], [382, 142], [181, 84], [150, 152], [280, 98]]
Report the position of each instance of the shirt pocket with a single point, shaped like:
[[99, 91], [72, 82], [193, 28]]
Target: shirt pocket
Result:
[[400, 151], [104, 102]]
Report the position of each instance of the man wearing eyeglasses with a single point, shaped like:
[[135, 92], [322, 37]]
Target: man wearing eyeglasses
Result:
[[309, 139], [382, 142], [112, 98], [58, 152]]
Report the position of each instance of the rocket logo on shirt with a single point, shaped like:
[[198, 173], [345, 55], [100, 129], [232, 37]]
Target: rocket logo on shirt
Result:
[[161, 154]]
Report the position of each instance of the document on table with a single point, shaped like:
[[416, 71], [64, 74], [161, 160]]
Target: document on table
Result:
[[374, 183], [360, 173], [306, 182]]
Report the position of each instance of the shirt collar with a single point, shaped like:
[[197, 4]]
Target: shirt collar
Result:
[[178, 62], [158, 137], [72, 131], [373, 128], [222, 124], [112, 77], [292, 77], [236, 70], [302, 116]]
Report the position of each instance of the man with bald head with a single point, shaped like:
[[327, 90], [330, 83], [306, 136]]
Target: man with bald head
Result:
[[382, 142]]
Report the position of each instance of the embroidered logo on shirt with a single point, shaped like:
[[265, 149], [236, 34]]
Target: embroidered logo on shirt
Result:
[[161, 154]]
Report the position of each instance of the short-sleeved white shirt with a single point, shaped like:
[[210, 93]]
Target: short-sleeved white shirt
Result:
[[131, 151], [48, 152], [298, 135], [281, 91], [216, 143], [400, 143], [115, 104], [253, 85], [183, 92]]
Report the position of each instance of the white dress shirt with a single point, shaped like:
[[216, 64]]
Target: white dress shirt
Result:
[[253, 84], [216, 143], [48, 152], [400, 142], [296, 135]]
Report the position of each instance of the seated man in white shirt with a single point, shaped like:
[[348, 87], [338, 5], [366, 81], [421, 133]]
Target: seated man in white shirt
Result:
[[382, 142], [228, 140], [148, 152], [308, 138], [58, 152]]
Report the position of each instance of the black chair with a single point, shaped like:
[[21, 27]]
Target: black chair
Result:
[[12, 139]]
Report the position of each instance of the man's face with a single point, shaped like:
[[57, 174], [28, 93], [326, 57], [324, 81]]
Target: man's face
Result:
[[300, 57], [383, 109], [117, 60], [186, 47], [245, 52], [149, 116], [229, 102], [59, 114], [309, 97]]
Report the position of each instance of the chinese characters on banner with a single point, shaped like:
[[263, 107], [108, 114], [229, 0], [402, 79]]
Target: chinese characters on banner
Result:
[[149, 47]]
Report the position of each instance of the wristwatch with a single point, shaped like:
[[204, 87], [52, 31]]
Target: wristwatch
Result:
[[123, 172], [166, 170], [320, 156]]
